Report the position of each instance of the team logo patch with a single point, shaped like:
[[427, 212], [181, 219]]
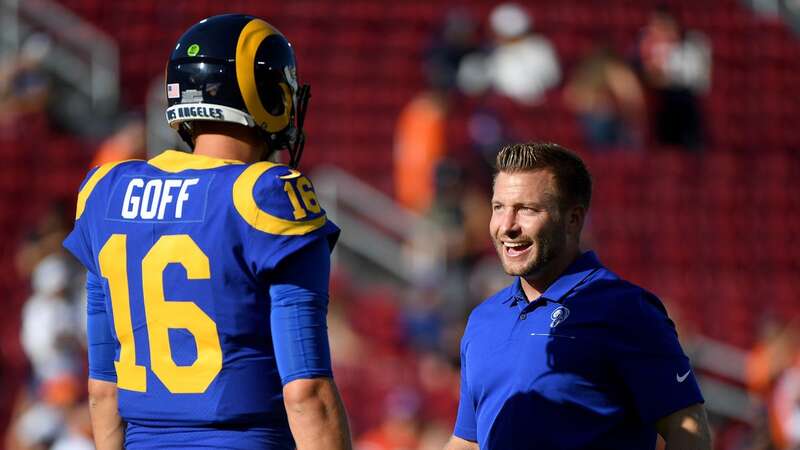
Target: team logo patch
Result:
[[558, 316]]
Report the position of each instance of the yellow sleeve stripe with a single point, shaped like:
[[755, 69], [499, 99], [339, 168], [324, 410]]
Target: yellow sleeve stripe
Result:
[[87, 189], [246, 205]]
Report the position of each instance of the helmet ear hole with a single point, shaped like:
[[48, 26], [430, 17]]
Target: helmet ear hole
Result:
[[271, 96]]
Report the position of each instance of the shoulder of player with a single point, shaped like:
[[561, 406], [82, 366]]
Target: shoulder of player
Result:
[[276, 199], [621, 298], [96, 178]]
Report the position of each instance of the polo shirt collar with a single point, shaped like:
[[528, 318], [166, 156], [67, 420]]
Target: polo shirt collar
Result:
[[584, 266]]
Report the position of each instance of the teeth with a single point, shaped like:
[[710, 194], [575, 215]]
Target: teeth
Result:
[[514, 244]]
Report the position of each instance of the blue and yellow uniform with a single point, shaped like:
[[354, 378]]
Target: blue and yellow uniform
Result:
[[207, 283]]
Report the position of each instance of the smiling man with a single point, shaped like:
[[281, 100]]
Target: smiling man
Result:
[[569, 356]]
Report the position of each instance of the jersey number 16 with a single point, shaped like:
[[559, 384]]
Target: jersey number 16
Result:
[[161, 315]]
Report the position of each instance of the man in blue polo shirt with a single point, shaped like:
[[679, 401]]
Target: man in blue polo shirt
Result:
[[569, 356]]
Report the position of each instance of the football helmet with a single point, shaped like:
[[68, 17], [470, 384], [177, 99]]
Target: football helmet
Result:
[[239, 69]]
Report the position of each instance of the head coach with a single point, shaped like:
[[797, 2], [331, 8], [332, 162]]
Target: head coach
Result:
[[569, 356]]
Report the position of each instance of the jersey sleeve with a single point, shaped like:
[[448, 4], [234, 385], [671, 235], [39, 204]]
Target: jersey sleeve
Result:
[[650, 360], [281, 212], [466, 425], [78, 240], [298, 316], [100, 342]]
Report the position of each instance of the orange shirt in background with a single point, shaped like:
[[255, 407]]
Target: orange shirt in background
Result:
[[418, 147]]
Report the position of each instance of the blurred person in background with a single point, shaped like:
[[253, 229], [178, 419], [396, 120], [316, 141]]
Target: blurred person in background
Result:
[[43, 426], [24, 82], [76, 433], [676, 66], [44, 239], [400, 427], [771, 374], [608, 98], [243, 360], [456, 38], [419, 144], [569, 356], [458, 214], [36, 428], [51, 331], [420, 138], [51, 336], [521, 65], [774, 351], [127, 142], [785, 408]]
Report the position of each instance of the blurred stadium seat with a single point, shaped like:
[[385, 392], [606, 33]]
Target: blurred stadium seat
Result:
[[715, 233]]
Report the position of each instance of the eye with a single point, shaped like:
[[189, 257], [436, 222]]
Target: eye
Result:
[[497, 207]]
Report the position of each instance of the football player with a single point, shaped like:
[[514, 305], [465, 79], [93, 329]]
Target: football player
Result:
[[208, 271]]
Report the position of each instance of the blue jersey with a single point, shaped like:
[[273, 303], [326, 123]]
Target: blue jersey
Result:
[[187, 250], [592, 363]]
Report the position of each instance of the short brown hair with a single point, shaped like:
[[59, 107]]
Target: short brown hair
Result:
[[573, 181]]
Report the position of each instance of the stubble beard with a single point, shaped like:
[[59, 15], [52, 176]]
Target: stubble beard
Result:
[[545, 250]]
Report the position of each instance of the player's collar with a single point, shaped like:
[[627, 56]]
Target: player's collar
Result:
[[176, 161], [576, 273]]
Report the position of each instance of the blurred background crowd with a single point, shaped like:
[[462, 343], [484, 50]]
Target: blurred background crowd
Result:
[[685, 112]]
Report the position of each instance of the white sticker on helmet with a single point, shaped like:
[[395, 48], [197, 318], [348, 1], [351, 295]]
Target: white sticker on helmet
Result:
[[191, 96]]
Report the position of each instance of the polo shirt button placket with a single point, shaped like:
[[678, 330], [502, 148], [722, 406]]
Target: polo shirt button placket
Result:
[[523, 316]]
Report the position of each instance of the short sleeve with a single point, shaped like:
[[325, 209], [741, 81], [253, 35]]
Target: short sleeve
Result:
[[281, 212], [650, 360], [466, 425], [78, 240]]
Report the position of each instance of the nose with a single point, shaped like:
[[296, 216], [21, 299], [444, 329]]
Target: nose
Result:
[[507, 224]]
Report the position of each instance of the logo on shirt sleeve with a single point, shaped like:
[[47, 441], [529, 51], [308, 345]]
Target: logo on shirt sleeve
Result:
[[682, 378]]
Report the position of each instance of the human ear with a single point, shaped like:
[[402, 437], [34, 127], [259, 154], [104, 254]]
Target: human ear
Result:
[[576, 216]]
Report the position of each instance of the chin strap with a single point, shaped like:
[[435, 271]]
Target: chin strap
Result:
[[185, 132], [298, 142]]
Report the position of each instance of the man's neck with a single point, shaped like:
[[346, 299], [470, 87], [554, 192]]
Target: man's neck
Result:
[[535, 285], [226, 146]]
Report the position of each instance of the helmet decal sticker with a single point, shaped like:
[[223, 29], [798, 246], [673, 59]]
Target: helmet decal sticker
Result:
[[191, 96], [173, 90]]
